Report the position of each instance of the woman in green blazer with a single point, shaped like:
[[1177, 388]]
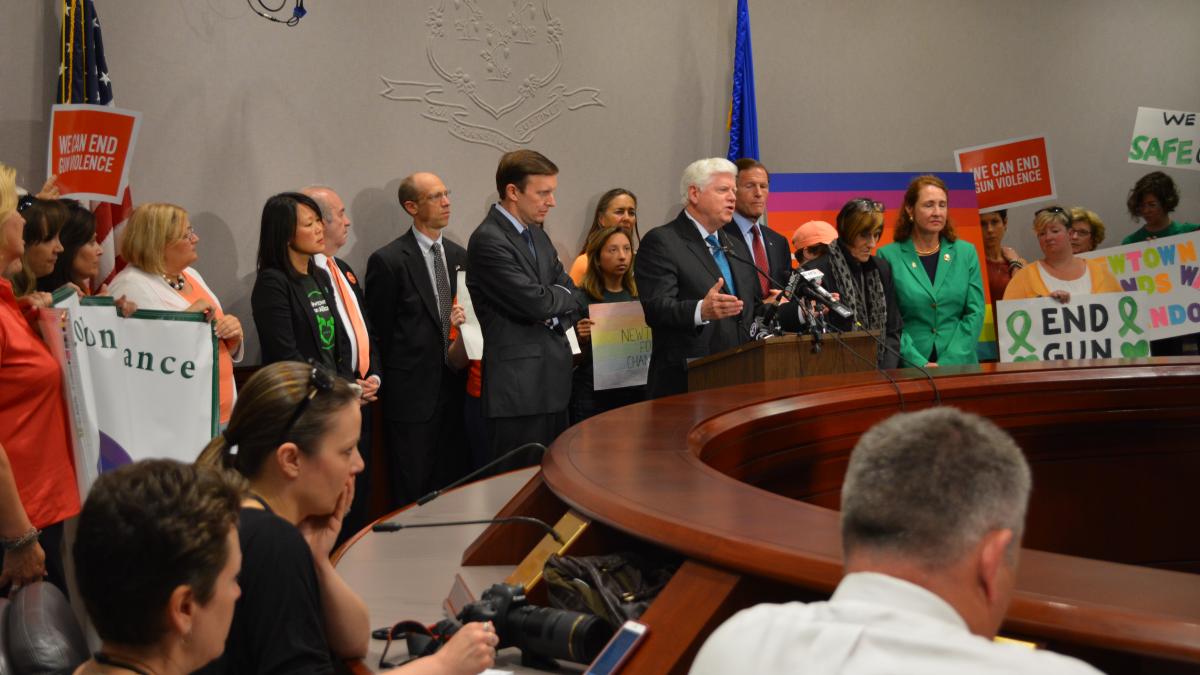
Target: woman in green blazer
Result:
[[938, 283]]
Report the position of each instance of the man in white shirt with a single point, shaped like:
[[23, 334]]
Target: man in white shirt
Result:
[[933, 507]]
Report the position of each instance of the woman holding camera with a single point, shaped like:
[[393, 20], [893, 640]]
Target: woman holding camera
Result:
[[294, 438]]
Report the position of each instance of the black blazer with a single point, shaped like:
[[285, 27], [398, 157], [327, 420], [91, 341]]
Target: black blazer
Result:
[[287, 327], [404, 314], [674, 270], [779, 256], [526, 364], [356, 288]]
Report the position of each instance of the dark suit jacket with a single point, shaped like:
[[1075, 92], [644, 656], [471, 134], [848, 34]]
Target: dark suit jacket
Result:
[[287, 327], [779, 256], [356, 288], [527, 365], [674, 270], [403, 308]]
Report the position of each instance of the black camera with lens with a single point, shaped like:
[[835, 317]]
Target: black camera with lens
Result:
[[539, 632]]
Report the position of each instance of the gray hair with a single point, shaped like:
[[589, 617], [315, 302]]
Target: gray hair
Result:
[[700, 173], [314, 192], [929, 485]]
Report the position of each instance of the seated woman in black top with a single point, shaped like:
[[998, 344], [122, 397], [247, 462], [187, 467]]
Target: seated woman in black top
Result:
[[294, 437], [293, 300], [862, 281], [608, 278]]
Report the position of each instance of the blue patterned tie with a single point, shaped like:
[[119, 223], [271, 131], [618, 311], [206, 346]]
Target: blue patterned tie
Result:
[[722, 263], [528, 237]]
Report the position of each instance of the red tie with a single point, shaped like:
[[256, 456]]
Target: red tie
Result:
[[760, 259], [356, 320]]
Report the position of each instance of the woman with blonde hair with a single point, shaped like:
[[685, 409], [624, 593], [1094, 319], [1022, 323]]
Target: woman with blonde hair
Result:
[[1087, 230], [159, 244], [293, 438], [1059, 274]]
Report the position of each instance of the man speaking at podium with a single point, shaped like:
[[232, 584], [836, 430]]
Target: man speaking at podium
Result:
[[697, 289]]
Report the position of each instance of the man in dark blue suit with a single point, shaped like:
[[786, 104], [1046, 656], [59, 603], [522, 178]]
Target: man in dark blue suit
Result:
[[525, 303], [768, 249], [697, 299]]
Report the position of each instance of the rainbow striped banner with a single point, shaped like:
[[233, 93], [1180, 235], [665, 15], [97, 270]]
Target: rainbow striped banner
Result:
[[797, 198], [621, 343]]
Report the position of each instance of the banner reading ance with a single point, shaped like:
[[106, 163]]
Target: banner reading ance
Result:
[[1167, 138], [90, 150], [621, 344], [1009, 173], [138, 387]]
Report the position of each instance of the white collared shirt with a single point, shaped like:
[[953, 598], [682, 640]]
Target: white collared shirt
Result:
[[696, 320], [426, 245], [874, 623], [747, 228]]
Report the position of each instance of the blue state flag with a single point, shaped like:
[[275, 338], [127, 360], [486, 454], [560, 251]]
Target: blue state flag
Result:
[[743, 112]]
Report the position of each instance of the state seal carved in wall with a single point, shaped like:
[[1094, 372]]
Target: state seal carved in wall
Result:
[[494, 71]]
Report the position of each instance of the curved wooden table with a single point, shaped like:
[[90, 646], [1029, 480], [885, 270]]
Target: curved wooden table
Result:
[[744, 481]]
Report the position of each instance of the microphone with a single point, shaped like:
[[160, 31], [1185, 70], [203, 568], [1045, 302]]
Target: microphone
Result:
[[937, 395], [765, 325], [814, 290], [481, 471], [727, 249], [394, 526]]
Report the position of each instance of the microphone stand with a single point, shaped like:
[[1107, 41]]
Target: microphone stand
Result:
[[480, 471], [393, 526]]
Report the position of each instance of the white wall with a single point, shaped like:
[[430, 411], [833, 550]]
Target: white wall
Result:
[[236, 109]]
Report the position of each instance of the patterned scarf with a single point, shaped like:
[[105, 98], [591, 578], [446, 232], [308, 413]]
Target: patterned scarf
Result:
[[871, 310]]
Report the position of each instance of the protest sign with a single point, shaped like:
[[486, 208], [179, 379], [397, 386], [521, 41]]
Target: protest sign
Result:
[[1155, 266], [1009, 173], [1165, 138], [138, 387], [621, 344], [1094, 326], [471, 330], [90, 150]]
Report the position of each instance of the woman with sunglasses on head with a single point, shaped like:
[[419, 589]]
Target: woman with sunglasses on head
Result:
[[862, 281], [939, 286], [293, 302], [79, 262], [294, 438], [1059, 274], [616, 208], [43, 220], [159, 244]]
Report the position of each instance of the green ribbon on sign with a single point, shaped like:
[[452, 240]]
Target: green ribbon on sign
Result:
[[1128, 310], [1019, 335]]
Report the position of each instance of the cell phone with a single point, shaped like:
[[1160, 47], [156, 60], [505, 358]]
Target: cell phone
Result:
[[618, 649]]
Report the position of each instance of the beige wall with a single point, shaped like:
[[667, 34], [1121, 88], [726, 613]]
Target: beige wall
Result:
[[236, 108]]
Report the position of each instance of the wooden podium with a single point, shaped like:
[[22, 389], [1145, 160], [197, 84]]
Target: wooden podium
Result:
[[784, 356]]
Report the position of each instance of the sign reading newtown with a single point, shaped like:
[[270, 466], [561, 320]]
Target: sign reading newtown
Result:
[[1160, 279]]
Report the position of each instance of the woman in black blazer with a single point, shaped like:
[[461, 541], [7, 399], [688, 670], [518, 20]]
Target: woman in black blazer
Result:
[[293, 300]]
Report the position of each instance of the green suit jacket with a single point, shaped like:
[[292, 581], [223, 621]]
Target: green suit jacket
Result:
[[948, 312]]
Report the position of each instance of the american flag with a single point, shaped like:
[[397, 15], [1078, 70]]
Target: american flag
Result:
[[83, 78]]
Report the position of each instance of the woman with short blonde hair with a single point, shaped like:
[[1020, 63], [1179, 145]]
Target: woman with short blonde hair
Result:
[[1059, 274], [1087, 230], [160, 246]]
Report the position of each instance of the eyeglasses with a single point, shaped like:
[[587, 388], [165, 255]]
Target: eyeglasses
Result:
[[24, 201], [1079, 232], [320, 380], [436, 197], [187, 234]]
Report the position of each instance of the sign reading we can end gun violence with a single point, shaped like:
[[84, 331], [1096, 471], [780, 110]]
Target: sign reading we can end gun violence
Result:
[[90, 150], [1168, 138], [1009, 173]]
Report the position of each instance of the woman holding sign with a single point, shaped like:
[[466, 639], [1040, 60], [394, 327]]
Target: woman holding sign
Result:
[[1059, 274], [160, 246], [37, 474], [608, 278], [939, 286]]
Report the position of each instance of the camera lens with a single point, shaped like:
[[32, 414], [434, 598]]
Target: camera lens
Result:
[[558, 633]]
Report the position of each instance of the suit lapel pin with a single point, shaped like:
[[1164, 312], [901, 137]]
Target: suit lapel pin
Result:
[[914, 265], [946, 257]]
